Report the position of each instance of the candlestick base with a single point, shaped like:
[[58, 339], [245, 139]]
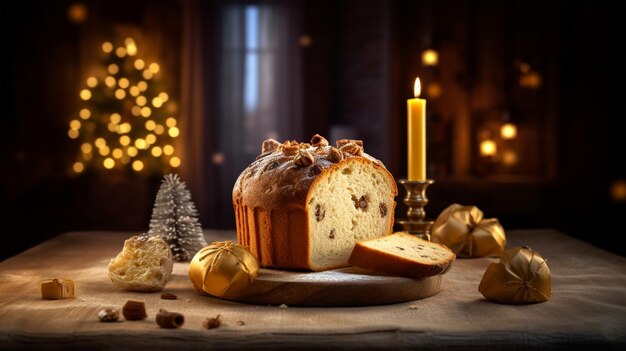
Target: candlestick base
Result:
[[416, 200]]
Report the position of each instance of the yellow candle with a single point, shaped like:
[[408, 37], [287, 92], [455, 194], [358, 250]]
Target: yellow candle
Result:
[[417, 135]]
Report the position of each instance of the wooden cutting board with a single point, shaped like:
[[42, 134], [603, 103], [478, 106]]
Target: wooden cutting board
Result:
[[340, 287]]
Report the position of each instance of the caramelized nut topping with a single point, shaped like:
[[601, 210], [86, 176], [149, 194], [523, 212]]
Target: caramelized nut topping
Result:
[[303, 158], [334, 155], [319, 140], [320, 212], [343, 142], [269, 145], [352, 148]]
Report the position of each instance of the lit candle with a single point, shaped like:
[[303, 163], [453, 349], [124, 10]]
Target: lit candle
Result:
[[417, 135]]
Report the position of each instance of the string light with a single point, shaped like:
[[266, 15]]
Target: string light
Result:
[[120, 52], [78, 167], [430, 57], [141, 100], [124, 140], [488, 148], [156, 151], [140, 143], [92, 82], [146, 111], [168, 149], [131, 151], [151, 139], [508, 131], [115, 118], [113, 68], [85, 94], [137, 165], [131, 48], [123, 83], [104, 150], [109, 81], [135, 110], [175, 162], [117, 81], [173, 132], [134, 91], [117, 153], [108, 163], [86, 148], [139, 64], [154, 67], [84, 113], [120, 94], [157, 102], [73, 134], [150, 125], [107, 47], [100, 142], [75, 124]]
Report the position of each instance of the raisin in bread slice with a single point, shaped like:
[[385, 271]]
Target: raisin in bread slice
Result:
[[403, 254], [305, 205]]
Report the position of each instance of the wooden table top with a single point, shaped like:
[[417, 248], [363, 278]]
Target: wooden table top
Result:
[[588, 306]]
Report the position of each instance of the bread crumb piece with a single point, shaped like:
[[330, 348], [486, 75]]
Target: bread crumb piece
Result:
[[282, 305], [413, 307]]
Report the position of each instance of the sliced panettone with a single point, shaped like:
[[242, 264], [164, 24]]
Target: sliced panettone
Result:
[[305, 205], [402, 254]]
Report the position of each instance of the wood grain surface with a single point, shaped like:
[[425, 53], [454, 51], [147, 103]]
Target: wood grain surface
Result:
[[340, 287], [587, 306]]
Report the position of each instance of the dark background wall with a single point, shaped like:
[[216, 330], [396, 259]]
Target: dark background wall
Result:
[[358, 71]]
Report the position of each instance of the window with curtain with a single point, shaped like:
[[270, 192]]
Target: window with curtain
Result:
[[259, 84], [240, 86]]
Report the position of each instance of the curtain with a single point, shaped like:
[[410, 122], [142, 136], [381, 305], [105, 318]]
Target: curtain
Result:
[[242, 86]]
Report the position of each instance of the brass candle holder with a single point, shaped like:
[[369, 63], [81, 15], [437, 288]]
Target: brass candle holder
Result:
[[416, 200]]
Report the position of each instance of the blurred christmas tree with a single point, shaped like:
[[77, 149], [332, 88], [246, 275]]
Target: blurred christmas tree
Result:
[[126, 121]]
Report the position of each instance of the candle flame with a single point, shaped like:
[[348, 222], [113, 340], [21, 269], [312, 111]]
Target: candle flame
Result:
[[417, 88]]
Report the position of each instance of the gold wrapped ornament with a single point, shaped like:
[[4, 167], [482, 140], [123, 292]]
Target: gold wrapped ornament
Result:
[[521, 276], [223, 269], [467, 234]]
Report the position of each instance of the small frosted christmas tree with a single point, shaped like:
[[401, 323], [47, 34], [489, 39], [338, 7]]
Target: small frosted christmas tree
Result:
[[175, 219]]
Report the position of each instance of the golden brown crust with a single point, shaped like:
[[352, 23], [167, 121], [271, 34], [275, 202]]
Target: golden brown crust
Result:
[[271, 197], [375, 259]]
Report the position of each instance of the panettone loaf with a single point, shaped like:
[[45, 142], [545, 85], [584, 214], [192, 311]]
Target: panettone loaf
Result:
[[403, 254], [304, 206]]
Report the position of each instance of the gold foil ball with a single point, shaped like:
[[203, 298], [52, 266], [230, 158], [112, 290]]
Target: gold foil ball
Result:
[[521, 276], [223, 269], [467, 234]]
